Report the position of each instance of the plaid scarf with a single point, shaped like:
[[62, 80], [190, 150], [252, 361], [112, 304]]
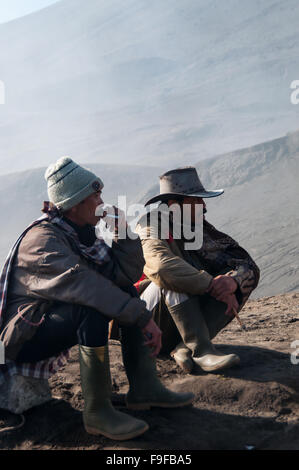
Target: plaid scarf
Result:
[[98, 253]]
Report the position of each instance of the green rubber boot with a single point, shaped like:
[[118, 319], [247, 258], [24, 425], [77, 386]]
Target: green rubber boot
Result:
[[146, 390], [99, 416], [195, 334]]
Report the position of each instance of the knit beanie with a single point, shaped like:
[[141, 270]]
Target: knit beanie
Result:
[[70, 183]]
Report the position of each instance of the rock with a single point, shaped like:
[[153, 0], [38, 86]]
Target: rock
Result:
[[19, 393], [285, 411]]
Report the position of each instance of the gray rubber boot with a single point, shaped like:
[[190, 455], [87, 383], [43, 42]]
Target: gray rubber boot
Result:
[[146, 390], [183, 357], [99, 416], [195, 334], [214, 314]]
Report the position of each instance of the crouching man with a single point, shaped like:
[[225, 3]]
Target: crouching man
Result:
[[193, 292], [61, 285]]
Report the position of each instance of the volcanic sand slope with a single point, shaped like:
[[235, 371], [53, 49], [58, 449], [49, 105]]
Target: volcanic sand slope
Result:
[[259, 207], [254, 404]]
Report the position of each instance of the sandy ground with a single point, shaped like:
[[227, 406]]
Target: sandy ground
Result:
[[254, 404]]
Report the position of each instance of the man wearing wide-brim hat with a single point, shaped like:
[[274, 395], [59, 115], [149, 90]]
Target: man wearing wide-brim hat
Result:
[[194, 290], [62, 284]]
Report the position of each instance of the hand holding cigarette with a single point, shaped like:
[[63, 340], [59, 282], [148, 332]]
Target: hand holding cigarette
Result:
[[114, 218]]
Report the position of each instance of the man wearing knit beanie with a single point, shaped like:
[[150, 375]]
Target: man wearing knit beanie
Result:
[[70, 183], [61, 287], [75, 191]]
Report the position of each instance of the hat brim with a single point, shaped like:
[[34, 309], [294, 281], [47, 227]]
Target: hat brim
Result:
[[165, 196]]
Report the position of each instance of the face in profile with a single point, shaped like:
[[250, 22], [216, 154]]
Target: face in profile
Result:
[[84, 212]]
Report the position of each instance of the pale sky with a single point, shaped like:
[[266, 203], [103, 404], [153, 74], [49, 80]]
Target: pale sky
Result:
[[11, 9]]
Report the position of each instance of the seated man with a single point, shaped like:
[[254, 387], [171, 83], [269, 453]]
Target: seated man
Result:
[[193, 292], [61, 285]]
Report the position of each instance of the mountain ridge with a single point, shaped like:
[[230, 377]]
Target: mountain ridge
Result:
[[22, 195], [159, 83], [259, 207]]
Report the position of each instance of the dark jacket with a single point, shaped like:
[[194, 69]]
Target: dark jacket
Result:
[[48, 268]]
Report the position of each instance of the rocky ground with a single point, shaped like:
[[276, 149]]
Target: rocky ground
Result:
[[256, 404]]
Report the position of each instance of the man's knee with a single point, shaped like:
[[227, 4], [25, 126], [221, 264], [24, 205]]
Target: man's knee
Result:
[[174, 298], [153, 293], [77, 315], [91, 326], [65, 326]]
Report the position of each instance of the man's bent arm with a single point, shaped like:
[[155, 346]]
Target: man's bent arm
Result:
[[48, 268], [243, 269], [128, 260], [170, 271]]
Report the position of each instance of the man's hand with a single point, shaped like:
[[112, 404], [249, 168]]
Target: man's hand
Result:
[[222, 286], [115, 219], [153, 336], [120, 222], [231, 302]]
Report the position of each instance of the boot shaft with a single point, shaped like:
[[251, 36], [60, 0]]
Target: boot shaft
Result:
[[95, 376], [192, 326]]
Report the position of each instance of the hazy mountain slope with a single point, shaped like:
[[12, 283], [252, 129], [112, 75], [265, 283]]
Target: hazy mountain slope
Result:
[[260, 207], [22, 194], [146, 82]]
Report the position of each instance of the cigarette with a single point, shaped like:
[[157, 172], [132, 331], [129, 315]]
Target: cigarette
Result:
[[239, 320], [111, 216]]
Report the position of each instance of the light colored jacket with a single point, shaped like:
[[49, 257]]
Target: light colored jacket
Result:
[[172, 267], [48, 268]]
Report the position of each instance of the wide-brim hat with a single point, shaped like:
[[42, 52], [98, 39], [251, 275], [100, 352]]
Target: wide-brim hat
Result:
[[182, 182]]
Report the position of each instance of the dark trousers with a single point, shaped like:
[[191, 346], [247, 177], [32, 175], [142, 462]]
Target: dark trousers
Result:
[[65, 326]]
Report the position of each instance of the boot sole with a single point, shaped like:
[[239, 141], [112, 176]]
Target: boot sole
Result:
[[116, 437], [148, 406], [216, 367]]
